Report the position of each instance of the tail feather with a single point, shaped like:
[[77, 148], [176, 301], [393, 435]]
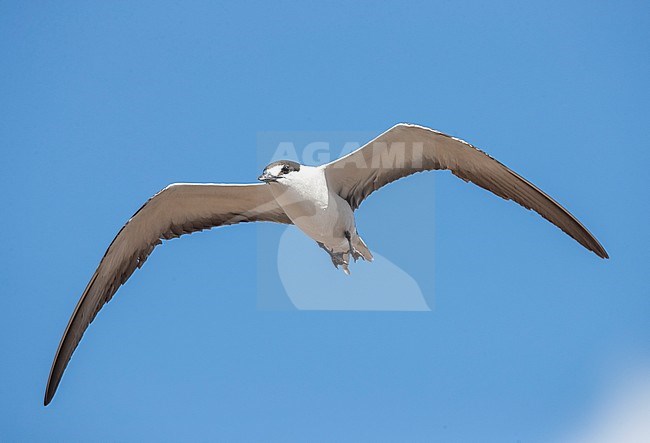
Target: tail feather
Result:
[[362, 249]]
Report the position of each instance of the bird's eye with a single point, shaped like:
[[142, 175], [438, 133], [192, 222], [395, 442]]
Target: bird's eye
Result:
[[285, 170]]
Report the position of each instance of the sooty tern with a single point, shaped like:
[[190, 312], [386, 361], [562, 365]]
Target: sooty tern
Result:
[[319, 200]]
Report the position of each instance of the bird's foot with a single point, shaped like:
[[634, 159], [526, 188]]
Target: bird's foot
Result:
[[356, 255], [338, 258], [341, 259]]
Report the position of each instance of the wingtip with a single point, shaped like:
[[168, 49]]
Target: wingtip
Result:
[[50, 390], [599, 250]]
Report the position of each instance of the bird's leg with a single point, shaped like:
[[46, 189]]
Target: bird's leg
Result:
[[355, 254]]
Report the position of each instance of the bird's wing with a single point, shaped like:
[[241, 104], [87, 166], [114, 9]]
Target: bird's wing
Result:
[[176, 210], [406, 149]]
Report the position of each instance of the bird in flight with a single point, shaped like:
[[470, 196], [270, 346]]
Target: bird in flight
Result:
[[319, 200]]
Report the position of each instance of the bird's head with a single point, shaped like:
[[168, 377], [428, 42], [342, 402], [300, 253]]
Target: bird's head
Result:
[[279, 171]]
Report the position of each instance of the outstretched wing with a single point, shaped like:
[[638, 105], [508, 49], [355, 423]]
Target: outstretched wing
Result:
[[176, 210], [406, 149]]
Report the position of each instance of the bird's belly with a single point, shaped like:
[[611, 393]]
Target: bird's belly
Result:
[[326, 228], [325, 220]]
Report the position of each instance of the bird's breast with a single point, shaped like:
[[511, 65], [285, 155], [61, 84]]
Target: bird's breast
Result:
[[321, 215], [300, 202]]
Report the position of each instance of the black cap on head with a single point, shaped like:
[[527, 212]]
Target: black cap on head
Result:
[[288, 164]]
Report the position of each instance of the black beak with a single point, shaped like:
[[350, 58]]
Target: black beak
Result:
[[267, 178]]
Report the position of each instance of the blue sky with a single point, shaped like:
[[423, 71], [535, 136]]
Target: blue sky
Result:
[[103, 104]]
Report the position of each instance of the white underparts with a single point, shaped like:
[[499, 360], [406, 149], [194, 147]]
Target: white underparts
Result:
[[322, 215]]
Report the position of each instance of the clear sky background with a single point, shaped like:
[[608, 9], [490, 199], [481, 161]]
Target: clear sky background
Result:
[[102, 104]]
